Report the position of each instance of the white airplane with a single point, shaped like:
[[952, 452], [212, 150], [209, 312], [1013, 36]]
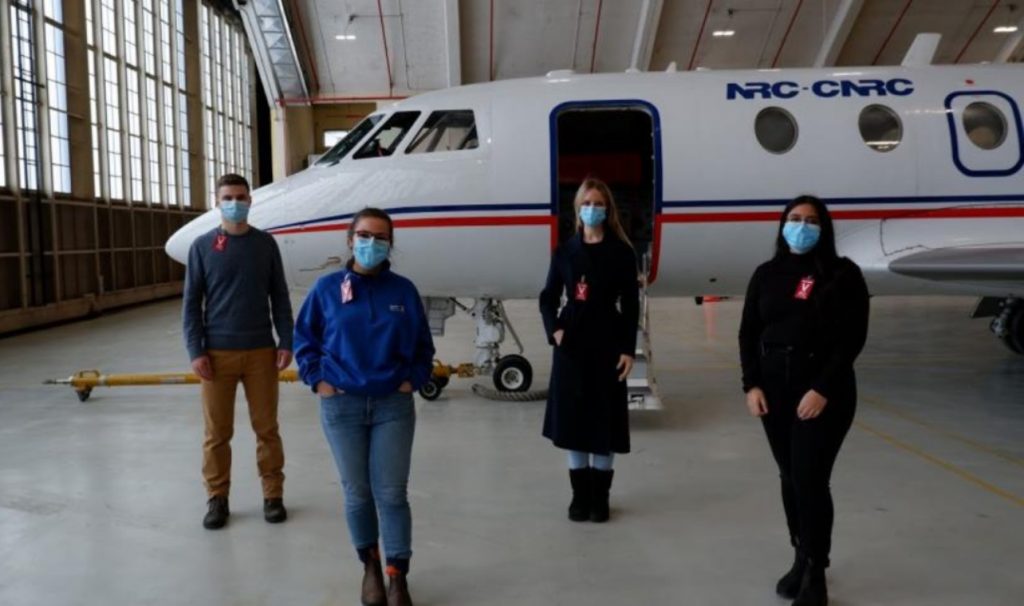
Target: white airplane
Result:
[[922, 167]]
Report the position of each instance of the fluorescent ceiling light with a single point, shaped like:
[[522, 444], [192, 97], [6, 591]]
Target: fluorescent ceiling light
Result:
[[345, 37], [1005, 29], [723, 33]]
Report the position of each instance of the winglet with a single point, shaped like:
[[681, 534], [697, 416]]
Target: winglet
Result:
[[922, 51]]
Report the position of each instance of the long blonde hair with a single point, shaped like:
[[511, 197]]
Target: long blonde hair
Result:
[[614, 224]]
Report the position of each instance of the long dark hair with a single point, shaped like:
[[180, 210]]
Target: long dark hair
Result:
[[824, 252]]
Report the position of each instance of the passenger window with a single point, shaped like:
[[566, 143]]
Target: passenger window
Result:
[[775, 129], [345, 145], [985, 125], [386, 140], [450, 130], [880, 128]]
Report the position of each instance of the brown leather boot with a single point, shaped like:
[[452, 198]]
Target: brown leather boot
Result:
[[398, 589], [373, 583]]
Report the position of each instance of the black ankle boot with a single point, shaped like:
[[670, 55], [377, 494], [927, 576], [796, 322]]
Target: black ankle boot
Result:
[[398, 589], [813, 591], [579, 508], [601, 484], [217, 513], [789, 585], [373, 592]]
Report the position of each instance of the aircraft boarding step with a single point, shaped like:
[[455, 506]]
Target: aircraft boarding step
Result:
[[641, 385]]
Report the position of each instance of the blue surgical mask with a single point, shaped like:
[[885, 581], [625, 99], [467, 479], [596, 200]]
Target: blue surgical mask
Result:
[[592, 216], [800, 236], [370, 252], [234, 211]]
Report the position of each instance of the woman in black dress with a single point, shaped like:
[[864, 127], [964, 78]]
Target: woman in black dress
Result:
[[805, 320], [594, 336]]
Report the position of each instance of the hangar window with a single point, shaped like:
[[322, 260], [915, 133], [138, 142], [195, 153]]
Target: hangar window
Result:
[[449, 130], [985, 125], [880, 128], [775, 129], [386, 140], [350, 140]]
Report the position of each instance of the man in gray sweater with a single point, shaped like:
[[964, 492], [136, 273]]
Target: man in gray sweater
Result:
[[234, 287]]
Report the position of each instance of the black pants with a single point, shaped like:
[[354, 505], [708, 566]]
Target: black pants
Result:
[[805, 451]]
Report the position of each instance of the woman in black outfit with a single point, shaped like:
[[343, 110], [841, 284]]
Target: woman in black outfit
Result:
[[594, 336], [805, 321]]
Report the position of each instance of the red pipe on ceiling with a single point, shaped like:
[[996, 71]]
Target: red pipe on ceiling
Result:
[[338, 99], [700, 34], [597, 28], [490, 57], [903, 13], [387, 56], [991, 10], [785, 36]]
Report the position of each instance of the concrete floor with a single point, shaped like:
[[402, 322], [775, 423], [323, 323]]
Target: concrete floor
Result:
[[100, 503]]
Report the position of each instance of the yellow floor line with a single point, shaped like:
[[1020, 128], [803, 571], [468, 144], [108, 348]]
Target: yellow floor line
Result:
[[894, 411], [961, 473]]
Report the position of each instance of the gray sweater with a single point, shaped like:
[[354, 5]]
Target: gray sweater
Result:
[[232, 286]]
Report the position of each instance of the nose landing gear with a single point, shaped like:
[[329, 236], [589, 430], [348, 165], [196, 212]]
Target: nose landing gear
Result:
[[509, 373], [1009, 325]]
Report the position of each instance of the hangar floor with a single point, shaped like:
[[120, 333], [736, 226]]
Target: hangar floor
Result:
[[100, 503]]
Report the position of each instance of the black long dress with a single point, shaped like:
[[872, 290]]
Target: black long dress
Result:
[[587, 407]]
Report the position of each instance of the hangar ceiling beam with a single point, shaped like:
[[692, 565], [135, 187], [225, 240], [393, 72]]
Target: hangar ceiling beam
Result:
[[1012, 44], [453, 50], [277, 56], [838, 32], [646, 31]]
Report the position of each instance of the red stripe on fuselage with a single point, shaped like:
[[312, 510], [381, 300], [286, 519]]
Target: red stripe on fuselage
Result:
[[888, 213]]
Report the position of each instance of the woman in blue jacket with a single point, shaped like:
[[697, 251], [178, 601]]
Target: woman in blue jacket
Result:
[[362, 342]]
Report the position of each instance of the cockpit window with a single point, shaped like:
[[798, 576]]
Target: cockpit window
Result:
[[448, 130], [386, 140], [345, 145]]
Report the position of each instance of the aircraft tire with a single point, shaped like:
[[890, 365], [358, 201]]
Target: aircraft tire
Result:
[[1014, 337], [513, 373]]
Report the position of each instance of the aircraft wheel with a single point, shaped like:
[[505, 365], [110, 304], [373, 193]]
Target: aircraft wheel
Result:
[[513, 373], [83, 395], [1014, 337], [431, 390]]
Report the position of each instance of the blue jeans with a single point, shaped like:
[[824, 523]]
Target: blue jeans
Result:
[[579, 460], [371, 440]]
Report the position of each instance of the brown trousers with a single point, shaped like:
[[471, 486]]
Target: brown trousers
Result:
[[257, 371]]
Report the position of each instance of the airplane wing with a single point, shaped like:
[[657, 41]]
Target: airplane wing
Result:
[[1004, 264]]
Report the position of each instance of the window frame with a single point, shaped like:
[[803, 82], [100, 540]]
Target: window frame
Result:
[[427, 127]]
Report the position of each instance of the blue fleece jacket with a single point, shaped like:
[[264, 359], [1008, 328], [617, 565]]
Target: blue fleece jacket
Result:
[[369, 345]]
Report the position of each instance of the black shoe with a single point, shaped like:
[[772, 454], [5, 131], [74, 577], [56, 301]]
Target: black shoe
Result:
[[601, 484], [274, 511], [813, 591], [217, 515], [398, 589], [579, 508], [373, 592], [789, 585]]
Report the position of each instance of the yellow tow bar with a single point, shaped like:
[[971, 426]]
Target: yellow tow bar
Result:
[[84, 381]]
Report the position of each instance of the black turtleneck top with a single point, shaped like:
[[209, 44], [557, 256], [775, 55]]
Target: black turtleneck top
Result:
[[794, 302]]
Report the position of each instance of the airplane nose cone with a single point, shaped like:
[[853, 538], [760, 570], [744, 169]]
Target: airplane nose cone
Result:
[[178, 244]]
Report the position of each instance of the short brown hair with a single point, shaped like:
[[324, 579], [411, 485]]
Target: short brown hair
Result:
[[233, 179]]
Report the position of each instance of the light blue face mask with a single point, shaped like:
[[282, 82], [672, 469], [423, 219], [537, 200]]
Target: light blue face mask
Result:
[[592, 216], [370, 252], [234, 211], [800, 236]]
